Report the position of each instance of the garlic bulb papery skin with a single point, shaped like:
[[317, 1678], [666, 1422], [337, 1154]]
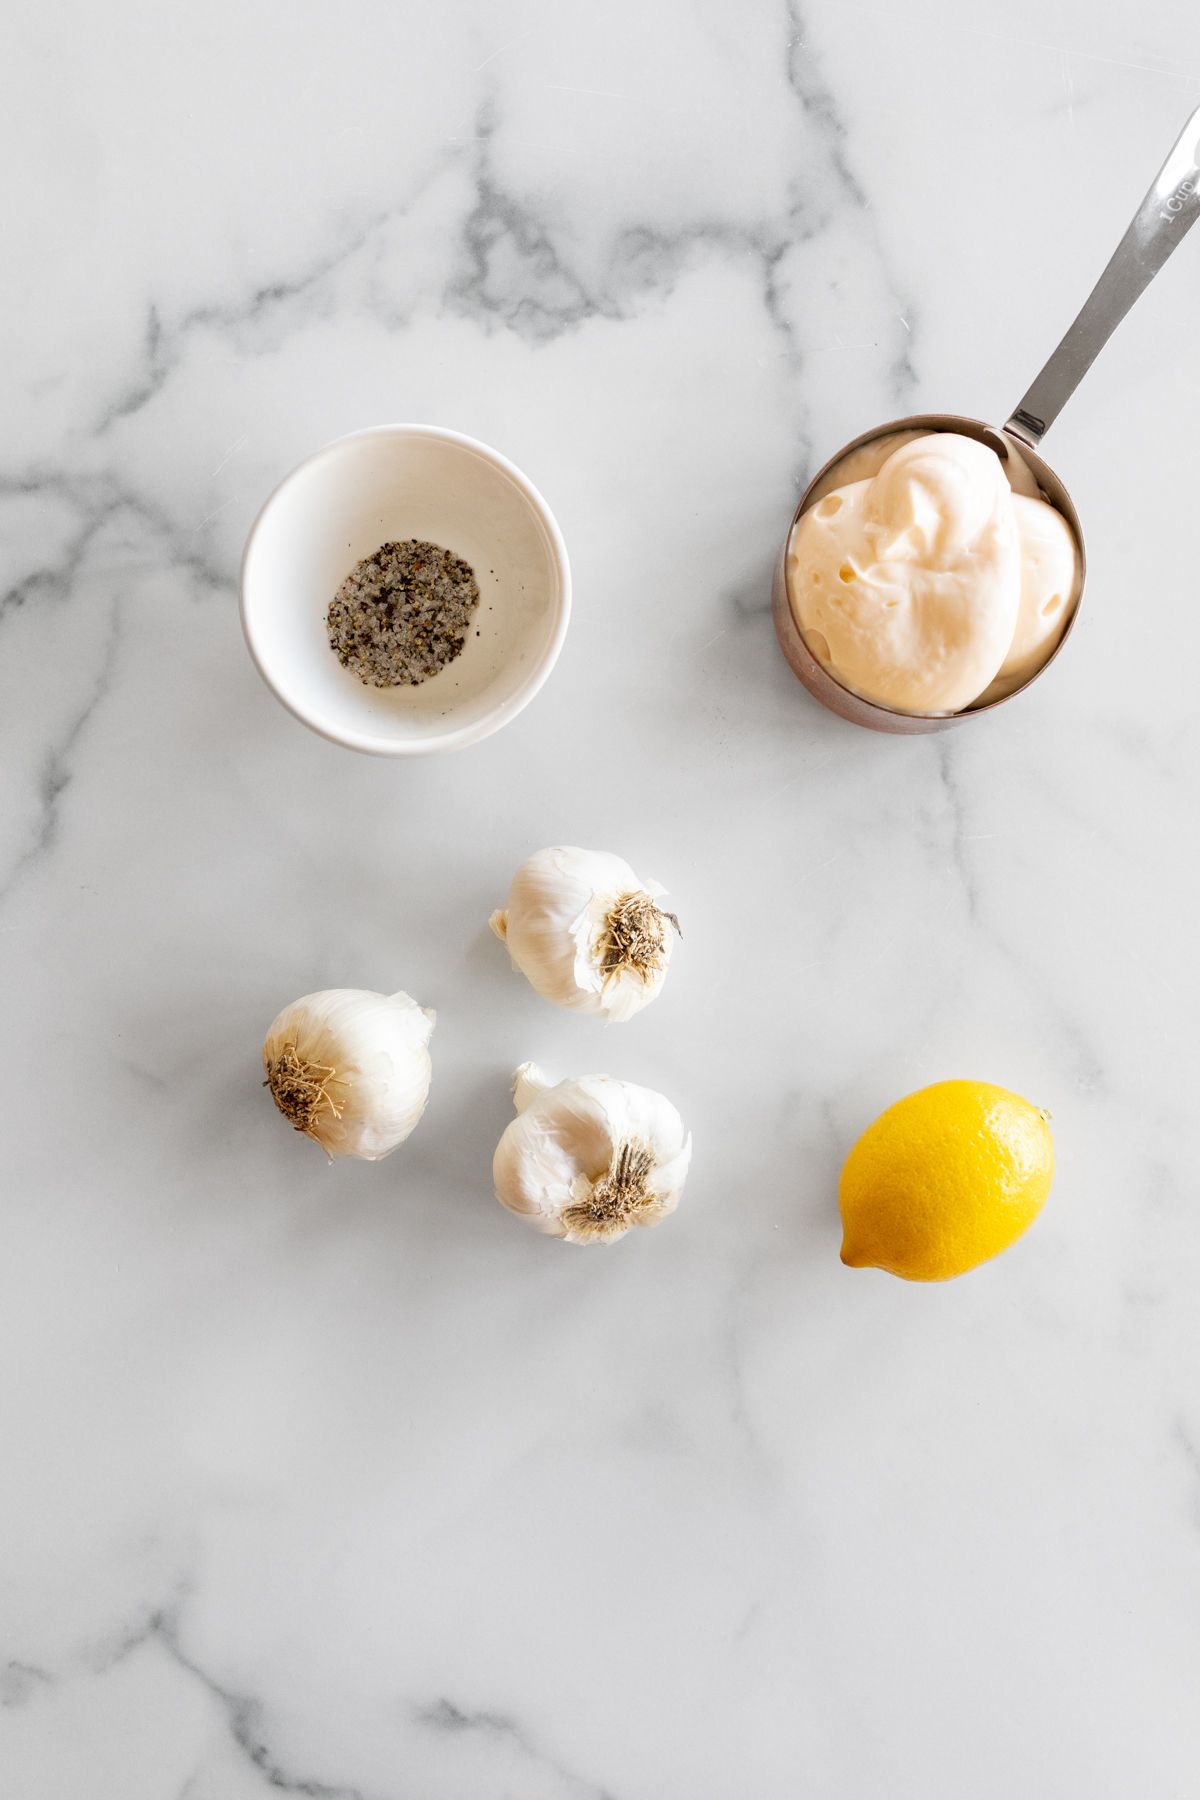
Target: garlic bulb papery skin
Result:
[[586, 932], [351, 1069], [587, 1159]]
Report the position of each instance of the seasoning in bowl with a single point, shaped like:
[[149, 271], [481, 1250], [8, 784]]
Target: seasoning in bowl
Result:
[[402, 614]]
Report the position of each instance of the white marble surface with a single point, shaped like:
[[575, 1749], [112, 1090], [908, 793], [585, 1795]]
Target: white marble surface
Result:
[[336, 1482]]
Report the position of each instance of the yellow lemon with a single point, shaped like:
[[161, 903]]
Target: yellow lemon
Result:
[[944, 1179]]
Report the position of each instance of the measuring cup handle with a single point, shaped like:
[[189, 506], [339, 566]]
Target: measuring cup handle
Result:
[[1168, 210]]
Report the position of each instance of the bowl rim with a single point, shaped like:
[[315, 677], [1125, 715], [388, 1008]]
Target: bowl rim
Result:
[[453, 738]]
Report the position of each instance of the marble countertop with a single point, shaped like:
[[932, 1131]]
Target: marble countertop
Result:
[[333, 1481]]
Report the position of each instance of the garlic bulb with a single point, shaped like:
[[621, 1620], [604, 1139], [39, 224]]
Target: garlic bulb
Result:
[[350, 1069], [586, 933], [586, 1159]]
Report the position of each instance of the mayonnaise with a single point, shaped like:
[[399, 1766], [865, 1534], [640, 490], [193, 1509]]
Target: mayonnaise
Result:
[[929, 581], [1049, 589]]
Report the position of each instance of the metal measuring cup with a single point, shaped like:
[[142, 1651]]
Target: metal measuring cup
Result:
[[1169, 209]]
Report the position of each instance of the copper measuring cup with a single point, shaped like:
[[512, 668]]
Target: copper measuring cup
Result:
[[1169, 209]]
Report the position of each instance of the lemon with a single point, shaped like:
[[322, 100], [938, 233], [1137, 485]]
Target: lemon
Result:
[[944, 1179]]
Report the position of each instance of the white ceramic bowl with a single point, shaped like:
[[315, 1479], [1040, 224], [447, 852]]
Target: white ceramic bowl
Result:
[[406, 481]]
